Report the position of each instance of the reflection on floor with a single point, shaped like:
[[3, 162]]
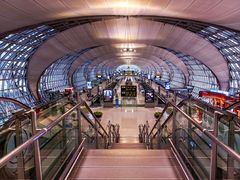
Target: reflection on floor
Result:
[[128, 118]]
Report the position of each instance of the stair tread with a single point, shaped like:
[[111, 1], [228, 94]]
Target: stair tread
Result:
[[129, 152], [127, 172], [124, 161], [128, 146]]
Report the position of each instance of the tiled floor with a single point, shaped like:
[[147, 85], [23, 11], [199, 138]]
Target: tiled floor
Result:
[[128, 118]]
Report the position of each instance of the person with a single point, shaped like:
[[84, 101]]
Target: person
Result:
[[117, 100]]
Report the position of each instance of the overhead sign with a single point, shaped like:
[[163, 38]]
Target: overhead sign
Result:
[[129, 91]]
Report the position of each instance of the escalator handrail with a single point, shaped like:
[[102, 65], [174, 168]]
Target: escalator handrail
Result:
[[168, 118], [213, 138], [195, 159], [35, 137], [95, 118], [158, 120], [189, 137], [91, 123], [194, 133]]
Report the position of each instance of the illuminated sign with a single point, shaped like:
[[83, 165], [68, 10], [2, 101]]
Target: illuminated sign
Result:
[[89, 85]]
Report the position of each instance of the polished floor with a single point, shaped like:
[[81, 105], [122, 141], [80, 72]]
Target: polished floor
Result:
[[128, 118]]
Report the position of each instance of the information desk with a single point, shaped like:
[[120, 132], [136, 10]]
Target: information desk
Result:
[[129, 91]]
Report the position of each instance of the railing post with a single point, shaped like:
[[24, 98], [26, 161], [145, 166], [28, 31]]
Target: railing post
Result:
[[230, 159], [213, 164], [174, 125], [79, 118], [159, 134], [189, 112], [147, 134], [20, 156], [37, 154], [109, 134], [96, 134]]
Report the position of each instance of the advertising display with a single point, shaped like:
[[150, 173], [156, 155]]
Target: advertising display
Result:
[[89, 85], [107, 95], [149, 96], [129, 91]]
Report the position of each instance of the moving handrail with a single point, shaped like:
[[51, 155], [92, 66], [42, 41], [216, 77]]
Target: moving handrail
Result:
[[168, 118], [42, 132], [207, 133], [157, 121], [35, 137], [95, 118]]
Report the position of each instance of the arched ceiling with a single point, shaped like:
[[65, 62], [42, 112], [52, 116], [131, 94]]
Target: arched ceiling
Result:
[[156, 54], [29, 12], [121, 32]]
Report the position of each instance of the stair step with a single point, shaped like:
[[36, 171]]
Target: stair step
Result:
[[128, 152], [128, 146], [129, 140]]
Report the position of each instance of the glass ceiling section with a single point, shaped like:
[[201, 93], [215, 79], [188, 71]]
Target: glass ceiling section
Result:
[[15, 51], [79, 80], [6, 110], [165, 76], [55, 77], [228, 43], [178, 79], [200, 76]]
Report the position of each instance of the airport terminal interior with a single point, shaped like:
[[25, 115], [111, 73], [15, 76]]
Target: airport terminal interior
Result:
[[120, 89]]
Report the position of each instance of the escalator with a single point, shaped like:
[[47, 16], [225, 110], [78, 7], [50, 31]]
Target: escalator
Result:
[[56, 139], [194, 144]]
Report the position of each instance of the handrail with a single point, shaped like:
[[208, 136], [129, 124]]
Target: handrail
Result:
[[67, 171], [90, 122], [157, 121], [99, 124], [209, 134], [168, 118], [35, 137], [186, 172]]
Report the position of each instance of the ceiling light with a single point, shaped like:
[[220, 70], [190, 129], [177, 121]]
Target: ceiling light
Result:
[[128, 50]]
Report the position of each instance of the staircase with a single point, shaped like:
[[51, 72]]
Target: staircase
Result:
[[127, 160]]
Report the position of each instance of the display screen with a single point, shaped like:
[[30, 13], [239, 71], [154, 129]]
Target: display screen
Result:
[[107, 95], [129, 91], [167, 86], [149, 96], [89, 85]]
